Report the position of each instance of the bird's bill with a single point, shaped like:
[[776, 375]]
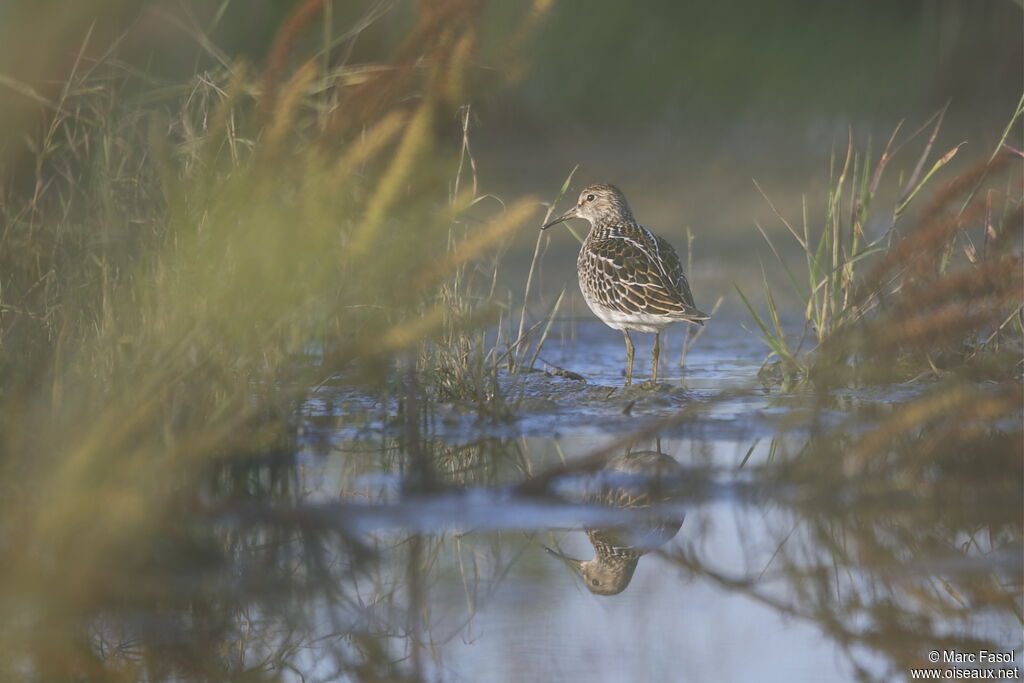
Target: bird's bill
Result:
[[571, 561], [571, 213]]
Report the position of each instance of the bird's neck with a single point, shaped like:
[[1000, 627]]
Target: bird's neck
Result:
[[613, 226], [608, 554]]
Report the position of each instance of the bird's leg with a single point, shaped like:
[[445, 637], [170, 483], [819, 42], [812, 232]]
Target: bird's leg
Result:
[[654, 353], [629, 357]]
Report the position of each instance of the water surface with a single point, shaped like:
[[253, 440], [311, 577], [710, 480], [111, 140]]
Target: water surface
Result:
[[778, 572]]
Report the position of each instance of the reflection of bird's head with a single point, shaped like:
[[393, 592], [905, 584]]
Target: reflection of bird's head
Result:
[[607, 575]]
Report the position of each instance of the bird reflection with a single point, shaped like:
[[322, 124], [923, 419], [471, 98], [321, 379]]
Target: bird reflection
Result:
[[634, 480]]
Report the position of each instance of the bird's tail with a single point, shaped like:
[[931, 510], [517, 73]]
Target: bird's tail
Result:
[[691, 315]]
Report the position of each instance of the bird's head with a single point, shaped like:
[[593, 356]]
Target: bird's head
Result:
[[596, 204]]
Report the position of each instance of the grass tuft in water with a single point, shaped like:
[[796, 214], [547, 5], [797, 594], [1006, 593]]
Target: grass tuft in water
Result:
[[937, 294]]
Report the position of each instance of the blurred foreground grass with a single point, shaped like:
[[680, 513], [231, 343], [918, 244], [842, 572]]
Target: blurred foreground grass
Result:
[[180, 267]]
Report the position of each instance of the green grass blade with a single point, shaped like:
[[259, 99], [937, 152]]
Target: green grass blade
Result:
[[547, 327], [945, 159], [776, 345], [789, 273]]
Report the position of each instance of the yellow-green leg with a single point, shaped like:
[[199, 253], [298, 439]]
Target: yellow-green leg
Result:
[[630, 350], [654, 362]]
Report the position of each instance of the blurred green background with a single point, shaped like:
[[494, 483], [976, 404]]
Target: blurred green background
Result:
[[681, 104], [735, 77]]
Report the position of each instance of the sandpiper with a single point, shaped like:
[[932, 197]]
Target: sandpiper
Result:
[[631, 278]]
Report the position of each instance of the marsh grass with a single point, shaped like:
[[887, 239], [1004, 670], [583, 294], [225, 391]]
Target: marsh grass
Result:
[[933, 301], [182, 266], [926, 296]]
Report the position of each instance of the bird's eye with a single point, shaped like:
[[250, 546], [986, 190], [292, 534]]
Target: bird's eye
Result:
[[590, 197], [594, 582]]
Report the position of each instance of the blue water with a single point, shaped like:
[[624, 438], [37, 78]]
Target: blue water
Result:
[[731, 597]]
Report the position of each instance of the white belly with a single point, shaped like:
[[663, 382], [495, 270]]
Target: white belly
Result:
[[617, 320]]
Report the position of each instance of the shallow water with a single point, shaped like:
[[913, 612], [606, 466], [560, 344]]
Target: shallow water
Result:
[[732, 538], [767, 578]]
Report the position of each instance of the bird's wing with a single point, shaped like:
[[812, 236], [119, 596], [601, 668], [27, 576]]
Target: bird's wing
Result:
[[634, 275], [674, 271]]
